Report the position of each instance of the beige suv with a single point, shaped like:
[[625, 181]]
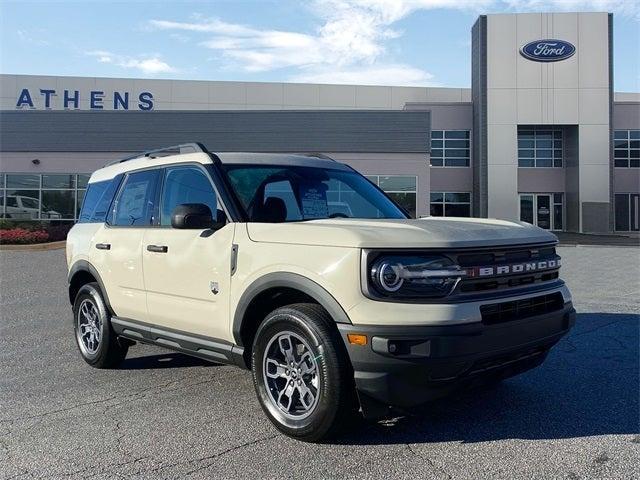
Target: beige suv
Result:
[[301, 270]]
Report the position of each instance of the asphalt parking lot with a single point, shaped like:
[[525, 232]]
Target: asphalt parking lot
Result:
[[165, 415]]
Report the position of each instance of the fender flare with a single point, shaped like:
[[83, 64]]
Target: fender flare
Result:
[[286, 280], [85, 266]]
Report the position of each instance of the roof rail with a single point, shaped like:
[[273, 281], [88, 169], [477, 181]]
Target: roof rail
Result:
[[181, 149], [317, 155]]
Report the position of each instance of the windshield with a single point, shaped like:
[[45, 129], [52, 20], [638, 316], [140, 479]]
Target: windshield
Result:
[[294, 193]]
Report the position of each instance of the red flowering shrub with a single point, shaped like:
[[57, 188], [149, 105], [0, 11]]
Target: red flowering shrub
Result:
[[58, 232], [16, 236]]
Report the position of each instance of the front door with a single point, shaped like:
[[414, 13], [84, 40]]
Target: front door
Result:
[[627, 211], [544, 210], [188, 272]]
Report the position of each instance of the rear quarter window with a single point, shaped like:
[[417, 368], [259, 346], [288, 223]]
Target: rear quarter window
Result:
[[97, 201]]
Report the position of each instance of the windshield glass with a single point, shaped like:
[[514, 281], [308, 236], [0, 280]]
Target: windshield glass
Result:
[[294, 193]]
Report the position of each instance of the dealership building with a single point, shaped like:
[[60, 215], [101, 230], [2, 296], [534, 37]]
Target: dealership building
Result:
[[540, 136]]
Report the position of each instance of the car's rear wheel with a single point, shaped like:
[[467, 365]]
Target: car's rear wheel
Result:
[[301, 373], [96, 340]]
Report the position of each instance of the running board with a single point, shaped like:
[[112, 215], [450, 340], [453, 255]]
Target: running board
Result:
[[207, 348]]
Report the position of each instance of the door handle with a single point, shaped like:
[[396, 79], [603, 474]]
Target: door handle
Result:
[[157, 248], [103, 246]]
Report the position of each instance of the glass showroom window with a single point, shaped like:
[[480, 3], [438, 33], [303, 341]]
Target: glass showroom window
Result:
[[2, 195], [626, 146], [402, 189], [450, 148], [539, 147], [450, 204], [41, 196]]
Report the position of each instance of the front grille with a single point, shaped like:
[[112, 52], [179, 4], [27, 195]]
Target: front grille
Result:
[[518, 309], [513, 255], [505, 256], [472, 285]]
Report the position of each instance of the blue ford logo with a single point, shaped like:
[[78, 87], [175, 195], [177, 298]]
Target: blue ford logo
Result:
[[547, 50]]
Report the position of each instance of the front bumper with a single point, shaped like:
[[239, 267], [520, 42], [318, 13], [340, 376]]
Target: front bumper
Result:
[[405, 366]]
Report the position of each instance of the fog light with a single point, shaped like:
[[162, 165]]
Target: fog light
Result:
[[357, 339]]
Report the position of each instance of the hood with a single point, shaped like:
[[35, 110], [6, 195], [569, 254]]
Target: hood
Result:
[[429, 232]]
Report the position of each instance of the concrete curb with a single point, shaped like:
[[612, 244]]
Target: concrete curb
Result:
[[596, 245], [34, 247]]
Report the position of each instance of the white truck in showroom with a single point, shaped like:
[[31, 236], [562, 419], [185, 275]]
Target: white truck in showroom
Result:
[[303, 271]]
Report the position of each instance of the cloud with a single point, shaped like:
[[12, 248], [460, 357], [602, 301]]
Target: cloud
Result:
[[29, 37], [350, 43], [378, 74], [394, 10], [149, 64], [627, 8], [180, 37]]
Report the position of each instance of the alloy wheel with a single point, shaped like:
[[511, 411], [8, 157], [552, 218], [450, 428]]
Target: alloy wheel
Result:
[[291, 375], [89, 330]]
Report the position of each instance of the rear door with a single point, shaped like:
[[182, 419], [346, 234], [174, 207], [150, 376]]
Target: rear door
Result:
[[117, 250], [187, 272]]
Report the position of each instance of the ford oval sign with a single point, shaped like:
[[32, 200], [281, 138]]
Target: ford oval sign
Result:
[[547, 50]]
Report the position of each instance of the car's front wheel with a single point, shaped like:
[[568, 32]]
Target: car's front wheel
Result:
[[301, 373], [96, 340]]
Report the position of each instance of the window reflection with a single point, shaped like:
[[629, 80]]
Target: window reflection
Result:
[[22, 204], [58, 204], [450, 204], [539, 147], [627, 148], [45, 196], [402, 189], [58, 181], [23, 181], [450, 148]]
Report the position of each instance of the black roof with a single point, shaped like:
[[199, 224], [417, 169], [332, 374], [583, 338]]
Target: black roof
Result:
[[305, 160]]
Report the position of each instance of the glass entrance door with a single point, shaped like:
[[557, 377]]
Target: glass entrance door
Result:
[[627, 212], [544, 210]]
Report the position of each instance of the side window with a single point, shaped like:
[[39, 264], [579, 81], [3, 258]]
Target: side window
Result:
[[135, 204], [28, 202], [97, 201], [284, 191], [185, 185]]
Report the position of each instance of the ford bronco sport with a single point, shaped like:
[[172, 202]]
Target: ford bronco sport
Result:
[[301, 270]]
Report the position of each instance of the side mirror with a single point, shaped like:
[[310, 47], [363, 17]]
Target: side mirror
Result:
[[197, 216], [221, 220]]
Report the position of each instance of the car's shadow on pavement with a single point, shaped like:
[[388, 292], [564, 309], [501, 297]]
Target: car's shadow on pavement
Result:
[[165, 360], [588, 386]]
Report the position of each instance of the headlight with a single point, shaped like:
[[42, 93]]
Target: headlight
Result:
[[423, 276]]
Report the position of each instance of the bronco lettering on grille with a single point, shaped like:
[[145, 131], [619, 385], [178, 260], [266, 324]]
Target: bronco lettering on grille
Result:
[[512, 268]]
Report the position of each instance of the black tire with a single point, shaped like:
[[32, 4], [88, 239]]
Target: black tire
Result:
[[109, 351], [336, 403]]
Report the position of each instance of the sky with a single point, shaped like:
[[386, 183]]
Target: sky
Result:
[[374, 42]]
